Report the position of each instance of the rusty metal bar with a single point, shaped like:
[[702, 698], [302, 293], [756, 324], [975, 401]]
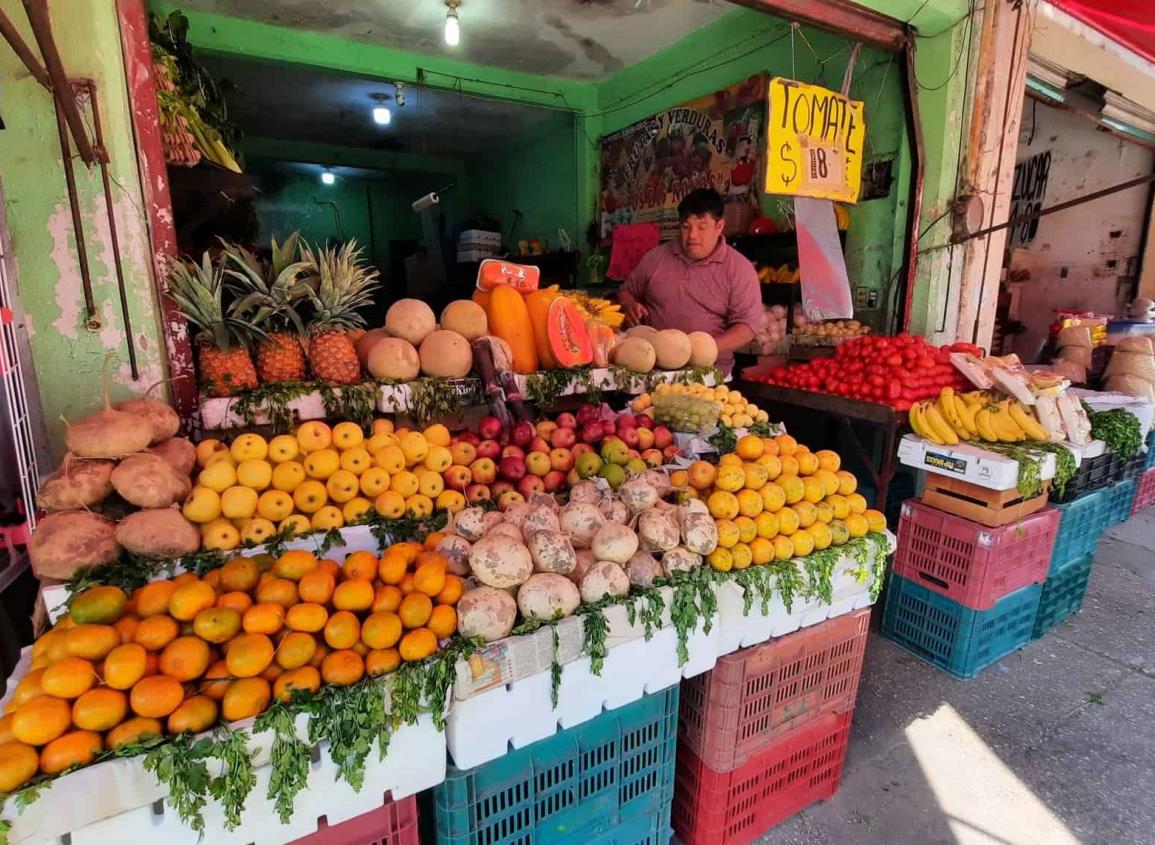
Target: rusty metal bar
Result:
[[841, 16], [102, 156], [23, 51], [37, 11], [918, 164], [74, 207]]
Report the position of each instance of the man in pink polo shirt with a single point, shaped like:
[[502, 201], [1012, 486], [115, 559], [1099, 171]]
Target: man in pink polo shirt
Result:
[[697, 282]]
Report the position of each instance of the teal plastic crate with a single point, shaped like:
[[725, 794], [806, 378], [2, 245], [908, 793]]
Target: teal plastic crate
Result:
[[1063, 594], [1121, 497], [1080, 524], [609, 781], [957, 639], [1149, 458]]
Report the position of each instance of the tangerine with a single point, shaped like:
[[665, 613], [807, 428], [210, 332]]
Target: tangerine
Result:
[[6, 729], [342, 668], [267, 618], [125, 665], [342, 630], [429, 577], [409, 549], [185, 578], [307, 617], [195, 714], [133, 730], [76, 748], [245, 698], [98, 605], [296, 650], [69, 678], [92, 642], [360, 564], [392, 567], [217, 624], [32, 685], [317, 587], [443, 621], [41, 720], [126, 626], [249, 654], [155, 632], [357, 594], [153, 599], [240, 575], [415, 610], [451, 592], [294, 564], [280, 591], [382, 661], [216, 680], [213, 579], [18, 765], [99, 709], [236, 600], [386, 598], [190, 599], [185, 658], [381, 630], [301, 678], [417, 645]]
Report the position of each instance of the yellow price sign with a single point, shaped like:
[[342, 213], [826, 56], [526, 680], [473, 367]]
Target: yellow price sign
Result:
[[814, 142]]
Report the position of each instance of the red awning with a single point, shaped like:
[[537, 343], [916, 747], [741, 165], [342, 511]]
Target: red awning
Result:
[[1130, 22]]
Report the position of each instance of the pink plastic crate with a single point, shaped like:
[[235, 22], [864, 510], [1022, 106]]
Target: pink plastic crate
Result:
[[1145, 492], [393, 823], [970, 563]]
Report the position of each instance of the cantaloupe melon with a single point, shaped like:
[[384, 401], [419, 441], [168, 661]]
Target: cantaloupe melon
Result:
[[635, 354], [672, 349], [366, 342], [410, 319], [445, 354], [465, 317], [393, 359], [644, 332], [703, 350]]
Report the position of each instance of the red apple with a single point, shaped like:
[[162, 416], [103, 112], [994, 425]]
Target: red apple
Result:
[[644, 420], [483, 470], [671, 452], [469, 437], [592, 432], [512, 451], [500, 486], [562, 438], [561, 459], [523, 433], [537, 463], [645, 438], [529, 485], [509, 499], [566, 420], [634, 453], [580, 449], [538, 444], [610, 427], [489, 449], [545, 428], [653, 457], [662, 437], [490, 428], [572, 477], [475, 494], [463, 453], [554, 480], [511, 468], [630, 436], [586, 414], [457, 477]]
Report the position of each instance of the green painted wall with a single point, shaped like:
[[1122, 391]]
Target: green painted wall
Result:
[[67, 353]]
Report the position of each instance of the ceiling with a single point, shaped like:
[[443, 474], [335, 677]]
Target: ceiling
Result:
[[581, 39], [300, 103]]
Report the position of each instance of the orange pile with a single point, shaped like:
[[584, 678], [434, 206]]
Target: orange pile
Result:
[[178, 655]]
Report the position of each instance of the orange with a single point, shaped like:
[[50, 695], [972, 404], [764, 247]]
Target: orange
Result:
[[787, 445], [280, 591], [77, 748], [803, 542], [747, 528], [825, 511], [41, 720], [354, 595], [331, 567], [216, 680], [728, 533], [126, 627], [756, 476], [875, 520], [701, 474], [789, 465], [766, 525], [246, 697], [238, 601], [828, 460], [153, 599], [415, 610], [856, 502], [749, 503], [839, 506], [812, 489], [92, 642], [847, 483], [381, 630], [68, 678], [133, 730], [360, 565], [156, 696], [342, 630], [761, 551], [807, 463], [213, 579], [342, 668], [432, 539], [239, 575], [386, 597], [429, 577], [265, 618], [392, 567], [294, 564], [155, 632], [742, 556], [821, 535], [307, 617], [296, 650], [417, 645], [217, 624], [301, 678], [249, 655], [783, 548], [730, 478], [125, 665], [772, 465], [195, 714], [190, 599], [769, 446], [30, 686], [829, 481], [721, 559], [381, 661], [185, 578], [317, 587], [99, 709], [793, 488], [271, 672], [451, 592], [749, 447], [807, 513], [788, 521], [723, 504], [319, 655], [6, 729], [18, 765], [185, 658], [443, 621]]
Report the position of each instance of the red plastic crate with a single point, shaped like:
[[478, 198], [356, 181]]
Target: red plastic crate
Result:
[[733, 808], [1145, 492], [393, 823], [757, 695], [970, 563]]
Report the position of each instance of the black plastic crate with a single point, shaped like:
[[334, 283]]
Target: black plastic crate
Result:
[[1093, 474]]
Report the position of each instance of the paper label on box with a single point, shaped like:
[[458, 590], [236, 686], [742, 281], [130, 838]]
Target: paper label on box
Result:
[[946, 463]]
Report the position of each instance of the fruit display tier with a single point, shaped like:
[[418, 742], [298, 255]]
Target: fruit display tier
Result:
[[219, 414]]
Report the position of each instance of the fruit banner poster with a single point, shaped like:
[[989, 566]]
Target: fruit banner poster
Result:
[[715, 142]]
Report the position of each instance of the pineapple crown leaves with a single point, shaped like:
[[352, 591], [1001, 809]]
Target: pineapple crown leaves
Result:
[[272, 294], [339, 284], [198, 291]]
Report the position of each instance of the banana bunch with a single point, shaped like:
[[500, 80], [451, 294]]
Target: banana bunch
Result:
[[977, 415], [596, 308], [779, 275]]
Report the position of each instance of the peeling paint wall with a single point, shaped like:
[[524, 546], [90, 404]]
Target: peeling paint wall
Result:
[[67, 352]]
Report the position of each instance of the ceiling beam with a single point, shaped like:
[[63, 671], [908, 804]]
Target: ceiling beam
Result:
[[840, 16]]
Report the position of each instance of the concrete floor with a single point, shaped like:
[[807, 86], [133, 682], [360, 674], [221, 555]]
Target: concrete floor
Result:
[[1054, 745]]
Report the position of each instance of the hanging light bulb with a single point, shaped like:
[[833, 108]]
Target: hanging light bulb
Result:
[[452, 24], [382, 116], [327, 177]]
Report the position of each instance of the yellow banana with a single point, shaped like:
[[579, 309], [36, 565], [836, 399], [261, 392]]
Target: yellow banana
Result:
[[986, 429], [1006, 427], [940, 426], [945, 407], [973, 399], [1025, 420], [921, 426], [966, 413]]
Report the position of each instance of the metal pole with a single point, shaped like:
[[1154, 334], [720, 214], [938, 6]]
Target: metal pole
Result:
[[23, 51], [74, 207]]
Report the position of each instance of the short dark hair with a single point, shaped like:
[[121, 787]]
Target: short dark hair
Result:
[[699, 202]]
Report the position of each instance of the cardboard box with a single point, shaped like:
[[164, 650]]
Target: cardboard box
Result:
[[969, 462]]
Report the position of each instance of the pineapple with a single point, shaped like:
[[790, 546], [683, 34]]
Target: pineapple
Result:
[[225, 334], [339, 284], [275, 292]]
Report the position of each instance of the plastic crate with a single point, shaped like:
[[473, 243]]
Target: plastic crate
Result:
[[1080, 524], [757, 695], [592, 783], [970, 563], [1144, 492], [1149, 457], [957, 639], [1093, 474], [1063, 594], [1133, 467], [393, 823], [736, 807], [1121, 498]]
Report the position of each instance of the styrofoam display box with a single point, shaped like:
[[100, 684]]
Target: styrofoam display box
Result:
[[971, 463]]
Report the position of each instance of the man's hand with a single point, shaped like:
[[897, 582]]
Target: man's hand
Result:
[[635, 313]]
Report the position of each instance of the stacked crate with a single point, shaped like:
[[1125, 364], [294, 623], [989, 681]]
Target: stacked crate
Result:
[[963, 595], [1081, 522], [764, 734]]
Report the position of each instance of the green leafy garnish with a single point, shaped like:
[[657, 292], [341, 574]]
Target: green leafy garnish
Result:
[[180, 766], [289, 758], [237, 779]]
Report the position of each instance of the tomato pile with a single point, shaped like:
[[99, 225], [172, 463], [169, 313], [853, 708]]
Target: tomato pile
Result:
[[896, 371]]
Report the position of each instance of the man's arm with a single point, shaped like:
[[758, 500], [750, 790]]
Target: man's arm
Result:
[[735, 337], [745, 308], [633, 291]]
